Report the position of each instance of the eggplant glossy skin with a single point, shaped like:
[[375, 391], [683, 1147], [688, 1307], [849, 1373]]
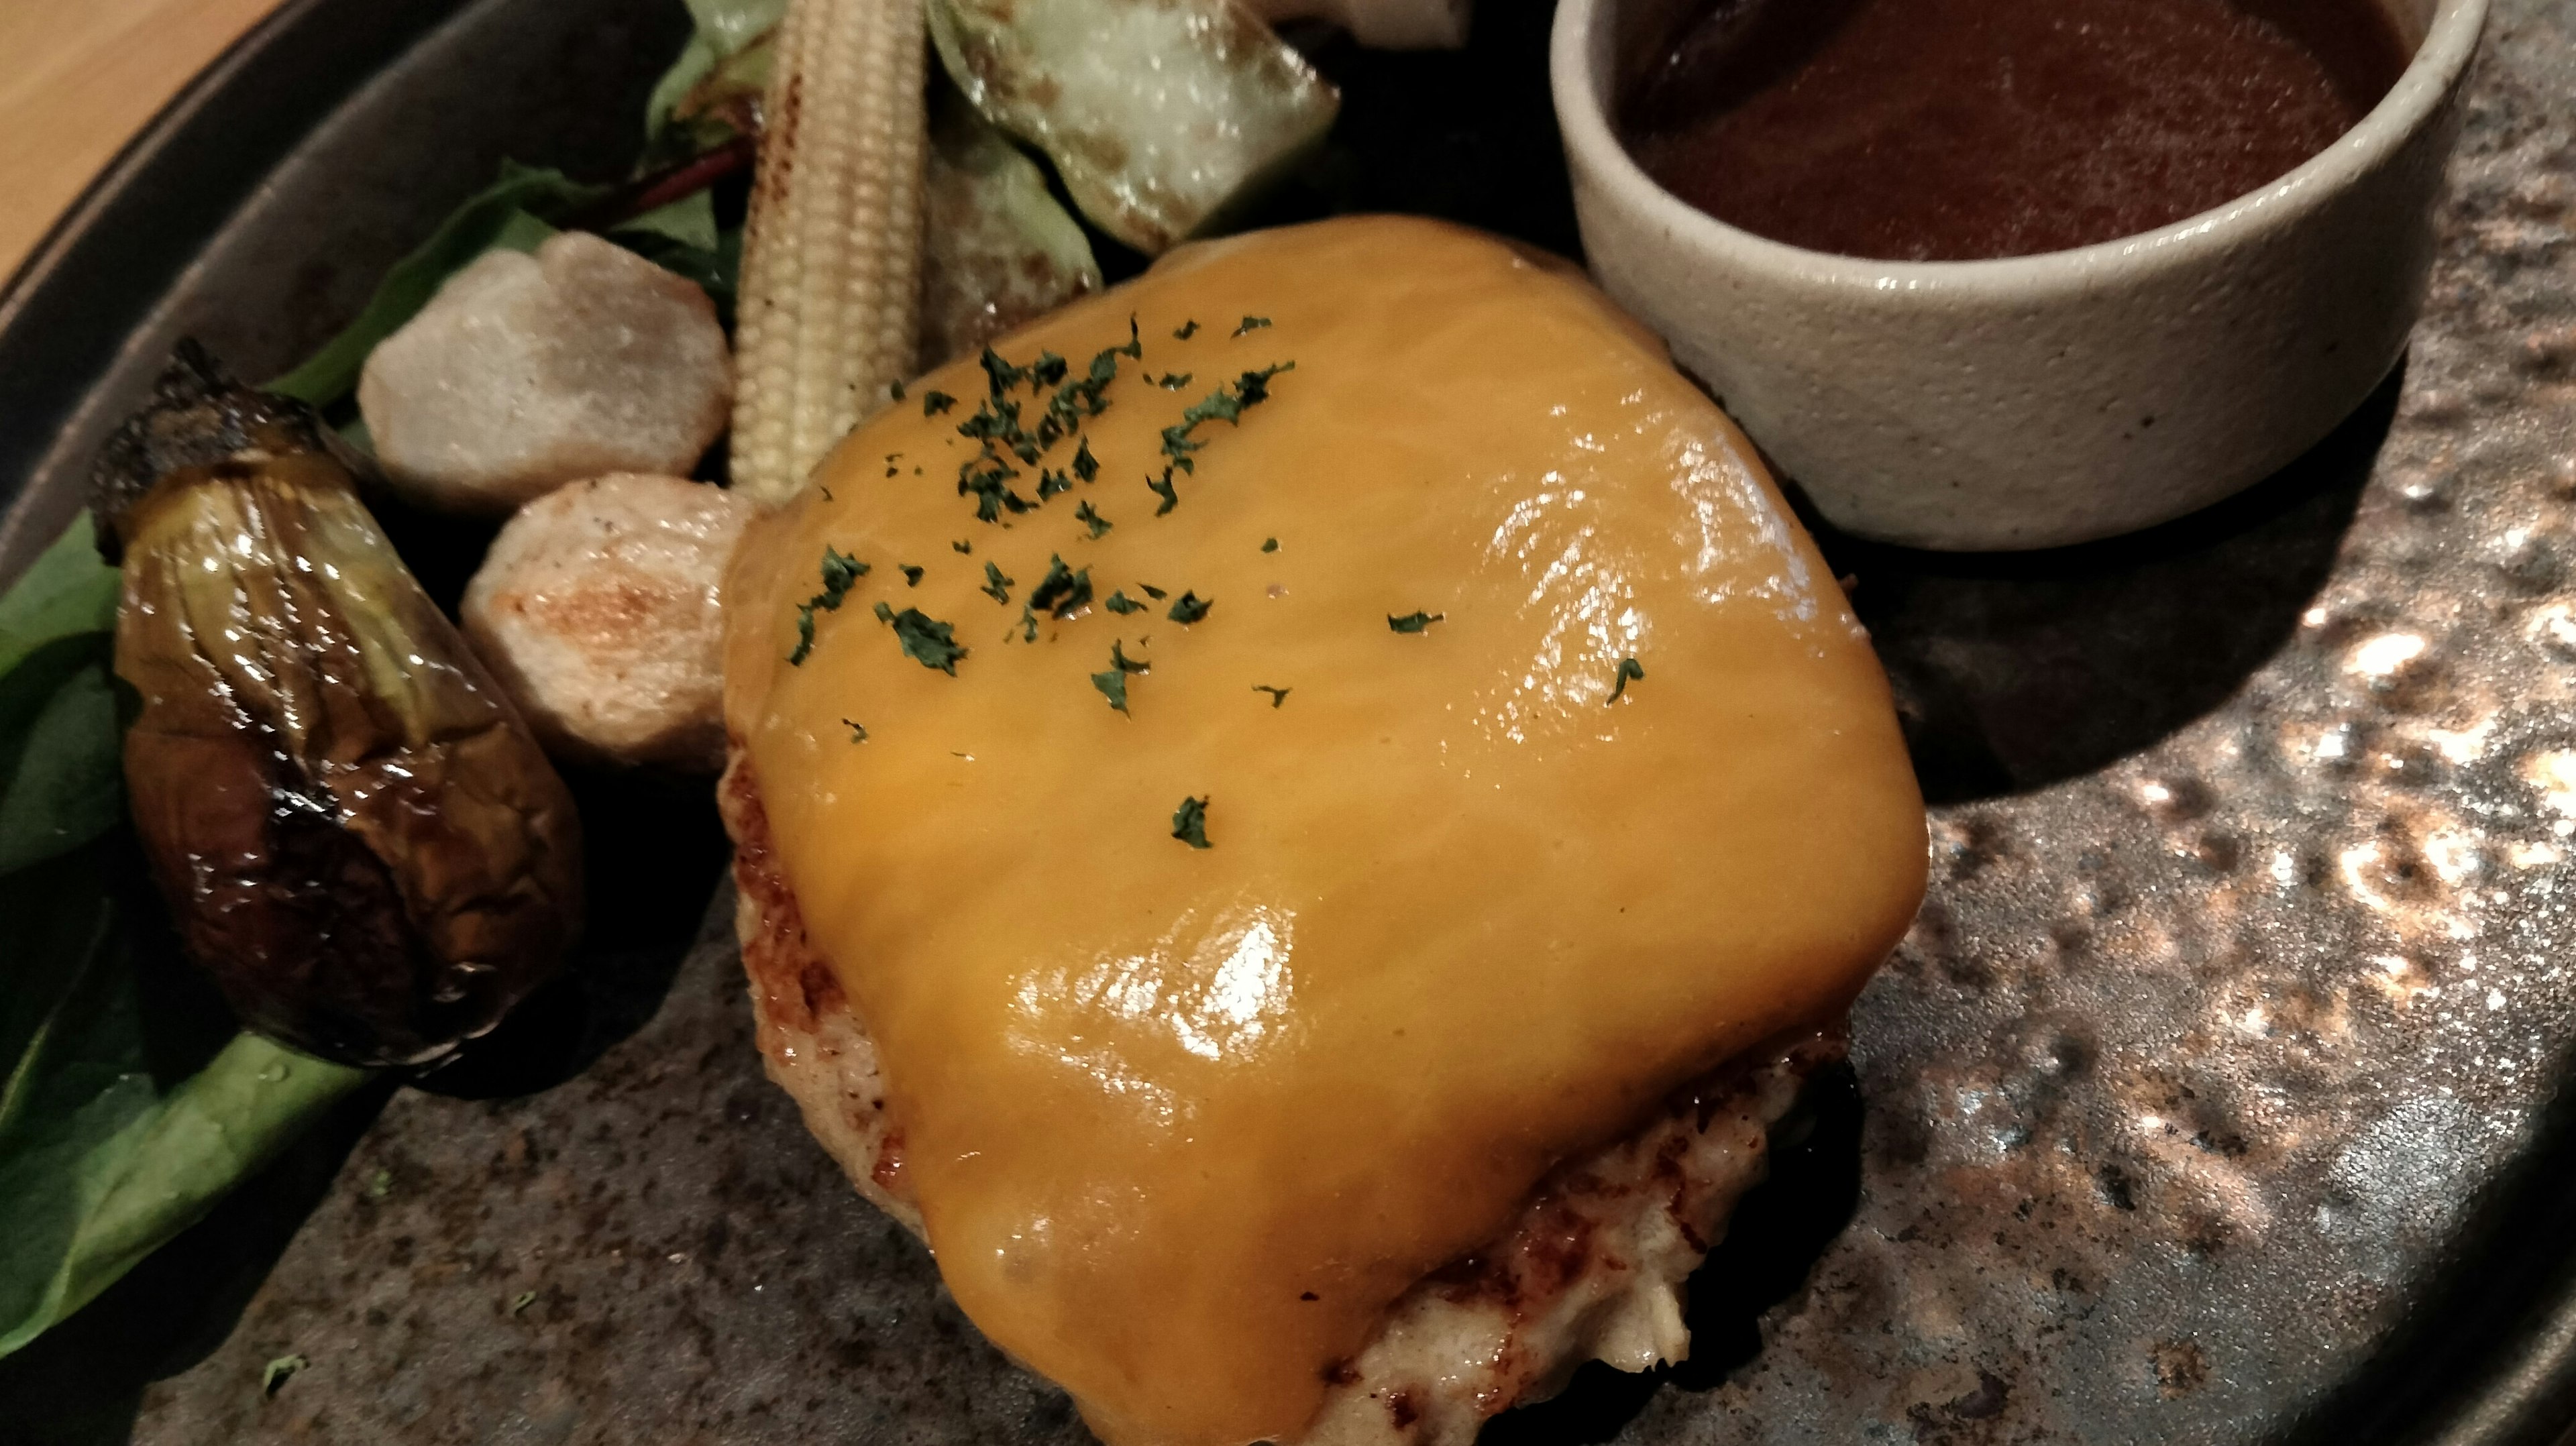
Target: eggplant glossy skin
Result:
[[358, 837]]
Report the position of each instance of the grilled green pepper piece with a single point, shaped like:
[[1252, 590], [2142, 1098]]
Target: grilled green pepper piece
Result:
[[1160, 115], [997, 252], [357, 836]]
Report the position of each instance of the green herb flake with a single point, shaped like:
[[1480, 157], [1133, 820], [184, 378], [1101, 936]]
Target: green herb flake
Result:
[[1000, 375], [1028, 626], [1113, 686], [911, 574], [996, 585], [934, 403], [1413, 622], [858, 730], [1173, 381], [895, 391], [804, 636], [1270, 544], [1084, 514], [1064, 591], [1277, 695], [1164, 489], [966, 548], [987, 478], [527, 1298], [1630, 671], [885, 613], [1085, 466], [277, 1372], [1122, 604], [1151, 591], [1118, 659], [1189, 822], [1053, 484], [1251, 323], [927, 640], [1225, 404], [1047, 370], [840, 574], [1190, 608], [1188, 329]]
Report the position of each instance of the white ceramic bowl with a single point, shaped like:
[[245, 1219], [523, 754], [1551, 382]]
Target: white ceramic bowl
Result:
[[2036, 400]]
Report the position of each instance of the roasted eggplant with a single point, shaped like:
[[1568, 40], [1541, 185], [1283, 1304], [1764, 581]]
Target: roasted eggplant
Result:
[[358, 837]]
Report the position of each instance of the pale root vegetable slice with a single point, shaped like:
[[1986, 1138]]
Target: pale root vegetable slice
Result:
[[599, 611], [529, 371], [998, 251], [831, 272], [1160, 115], [1381, 24]]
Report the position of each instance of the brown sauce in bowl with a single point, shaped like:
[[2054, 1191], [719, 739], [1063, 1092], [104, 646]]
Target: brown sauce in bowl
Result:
[[1951, 130]]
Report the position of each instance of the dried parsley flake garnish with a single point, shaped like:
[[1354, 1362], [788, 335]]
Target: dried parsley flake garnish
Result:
[[1064, 591], [1113, 686], [1413, 622], [1225, 404], [840, 574], [1270, 544], [1084, 514], [1630, 671], [927, 640], [911, 574], [1189, 822], [1277, 695], [1190, 608], [1164, 489], [997, 585], [858, 730], [935, 402], [1251, 323], [1188, 329], [1121, 603]]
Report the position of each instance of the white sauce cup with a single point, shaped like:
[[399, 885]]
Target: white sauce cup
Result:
[[2037, 400]]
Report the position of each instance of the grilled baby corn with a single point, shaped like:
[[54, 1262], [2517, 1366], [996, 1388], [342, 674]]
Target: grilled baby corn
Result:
[[832, 252]]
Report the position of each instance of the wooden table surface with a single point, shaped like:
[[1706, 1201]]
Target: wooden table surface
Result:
[[77, 80]]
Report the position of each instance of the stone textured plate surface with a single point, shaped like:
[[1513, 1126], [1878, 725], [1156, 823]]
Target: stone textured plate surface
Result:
[[2216, 1097]]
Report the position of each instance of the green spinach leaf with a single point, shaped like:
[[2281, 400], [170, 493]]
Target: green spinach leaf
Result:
[[119, 1124]]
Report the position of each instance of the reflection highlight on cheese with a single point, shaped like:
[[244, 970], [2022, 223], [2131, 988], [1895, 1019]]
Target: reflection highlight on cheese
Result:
[[1218, 990]]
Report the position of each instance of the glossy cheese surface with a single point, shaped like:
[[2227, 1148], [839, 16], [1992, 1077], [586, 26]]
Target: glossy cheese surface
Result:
[[1183, 1121]]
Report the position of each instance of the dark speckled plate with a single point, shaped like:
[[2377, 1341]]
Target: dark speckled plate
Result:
[[2216, 1098]]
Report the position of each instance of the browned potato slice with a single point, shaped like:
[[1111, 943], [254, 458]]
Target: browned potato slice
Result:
[[598, 610]]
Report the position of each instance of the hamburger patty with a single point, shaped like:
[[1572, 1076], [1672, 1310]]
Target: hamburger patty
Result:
[[1591, 1268]]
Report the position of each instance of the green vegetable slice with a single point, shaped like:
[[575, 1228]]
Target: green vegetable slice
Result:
[[1160, 115], [998, 251], [723, 70]]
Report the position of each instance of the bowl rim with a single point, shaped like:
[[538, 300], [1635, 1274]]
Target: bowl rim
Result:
[[1578, 59]]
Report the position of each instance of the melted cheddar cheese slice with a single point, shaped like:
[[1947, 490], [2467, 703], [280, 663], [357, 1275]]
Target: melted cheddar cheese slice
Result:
[[1183, 1121]]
